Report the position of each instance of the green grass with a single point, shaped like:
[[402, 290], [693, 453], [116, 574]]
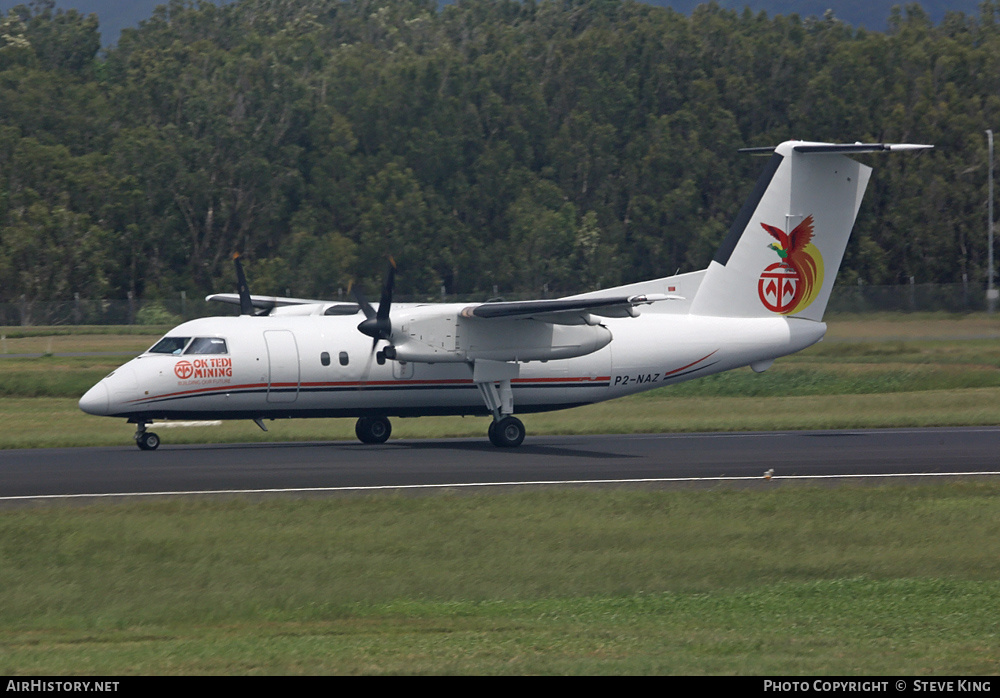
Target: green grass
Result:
[[786, 580], [839, 627], [50, 376]]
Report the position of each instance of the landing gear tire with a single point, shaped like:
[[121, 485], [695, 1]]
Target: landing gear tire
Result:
[[147, 441], [507, 433], [373, 430]]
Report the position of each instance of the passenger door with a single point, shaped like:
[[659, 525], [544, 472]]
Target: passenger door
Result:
[[283, 366]]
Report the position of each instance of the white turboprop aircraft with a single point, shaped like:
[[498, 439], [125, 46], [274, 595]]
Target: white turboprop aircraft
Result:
[[762, 297]]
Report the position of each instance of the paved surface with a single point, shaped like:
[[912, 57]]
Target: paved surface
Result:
[[468, 462]]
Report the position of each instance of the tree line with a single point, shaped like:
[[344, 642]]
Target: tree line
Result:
[[487, 145]]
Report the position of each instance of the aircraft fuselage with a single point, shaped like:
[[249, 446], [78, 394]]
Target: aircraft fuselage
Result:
[[321, 366]]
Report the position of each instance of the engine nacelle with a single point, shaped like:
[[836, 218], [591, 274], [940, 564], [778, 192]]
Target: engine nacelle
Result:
[[453, 339]]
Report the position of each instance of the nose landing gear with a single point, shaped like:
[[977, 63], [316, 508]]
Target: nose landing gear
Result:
[[145, 440]]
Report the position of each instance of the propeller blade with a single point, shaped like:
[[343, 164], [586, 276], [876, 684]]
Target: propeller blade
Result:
[[246, 306], [366, 307], [368, 367], [363, 303], [390, 281]]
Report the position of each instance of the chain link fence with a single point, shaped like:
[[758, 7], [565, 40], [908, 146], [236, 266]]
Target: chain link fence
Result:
[[105, 311], [907, 298]]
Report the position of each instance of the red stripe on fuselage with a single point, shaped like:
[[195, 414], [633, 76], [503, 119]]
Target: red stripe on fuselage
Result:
[[678, 370]]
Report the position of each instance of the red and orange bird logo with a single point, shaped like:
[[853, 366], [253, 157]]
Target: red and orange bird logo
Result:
[[791, 284]]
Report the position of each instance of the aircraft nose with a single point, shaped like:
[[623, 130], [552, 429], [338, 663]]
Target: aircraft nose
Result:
[[95, 400]]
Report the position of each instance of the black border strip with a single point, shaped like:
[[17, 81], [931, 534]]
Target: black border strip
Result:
[[277, 411], [842, 148], [743, 217]]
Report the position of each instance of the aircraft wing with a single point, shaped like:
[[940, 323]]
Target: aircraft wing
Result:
[[565, 311]]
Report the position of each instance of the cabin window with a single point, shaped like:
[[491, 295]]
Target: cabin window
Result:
[[343, 358], [324, 358], [170, 345], [207, 345]]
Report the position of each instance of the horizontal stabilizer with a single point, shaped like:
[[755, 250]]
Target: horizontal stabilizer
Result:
[[842, 148]]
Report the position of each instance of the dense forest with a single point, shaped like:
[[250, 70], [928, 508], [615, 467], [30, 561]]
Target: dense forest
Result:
[[484, 144], [115, 15]]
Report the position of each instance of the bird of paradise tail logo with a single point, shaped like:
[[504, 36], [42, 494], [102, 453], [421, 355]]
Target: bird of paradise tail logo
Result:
[[792, 283]]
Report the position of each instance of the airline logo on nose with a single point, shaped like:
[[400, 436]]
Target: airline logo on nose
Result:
[[204, 368]]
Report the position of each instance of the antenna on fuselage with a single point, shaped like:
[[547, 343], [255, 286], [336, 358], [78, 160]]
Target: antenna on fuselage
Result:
[[246, 305]]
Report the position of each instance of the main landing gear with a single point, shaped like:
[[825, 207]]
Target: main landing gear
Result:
[[506, 432], [373, 430], [493, 379], [145, 440]]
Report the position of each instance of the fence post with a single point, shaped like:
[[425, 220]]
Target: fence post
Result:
[[992, 293]]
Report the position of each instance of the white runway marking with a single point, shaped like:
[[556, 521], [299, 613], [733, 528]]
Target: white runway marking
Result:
[[840, 432], [455, 485]]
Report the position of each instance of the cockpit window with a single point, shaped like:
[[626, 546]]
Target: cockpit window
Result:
[[170, 345], [207, 345]]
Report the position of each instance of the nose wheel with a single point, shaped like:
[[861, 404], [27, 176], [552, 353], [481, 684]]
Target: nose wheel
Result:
[[146, 440]]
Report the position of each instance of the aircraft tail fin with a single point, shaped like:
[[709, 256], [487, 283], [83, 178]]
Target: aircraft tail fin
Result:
[[784, 249]]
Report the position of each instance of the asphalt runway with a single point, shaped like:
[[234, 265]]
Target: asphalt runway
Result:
[[870, 455]]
